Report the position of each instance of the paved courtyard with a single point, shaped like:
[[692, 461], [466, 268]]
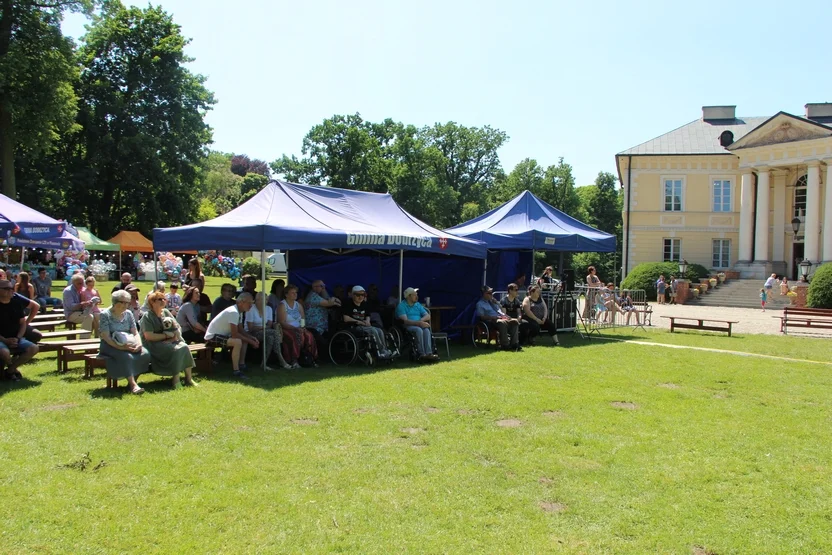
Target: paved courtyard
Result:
[[750, 320]]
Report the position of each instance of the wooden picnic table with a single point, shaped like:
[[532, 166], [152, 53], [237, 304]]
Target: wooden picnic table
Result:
[[706, 324], [436, 316]]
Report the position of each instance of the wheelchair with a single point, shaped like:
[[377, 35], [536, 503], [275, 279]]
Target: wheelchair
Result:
[[405, 341], [349, 344], [482, 334]]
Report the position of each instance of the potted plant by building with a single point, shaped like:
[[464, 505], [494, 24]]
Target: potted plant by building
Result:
[[721, 277], [792, 296], [712, 283], [695, 292]]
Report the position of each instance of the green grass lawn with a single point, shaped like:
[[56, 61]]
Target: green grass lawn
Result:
[[598, 446]]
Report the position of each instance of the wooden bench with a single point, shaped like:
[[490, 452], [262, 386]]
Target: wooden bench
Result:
[[48, 325], [645, 310], [91, 362], [49, 317], [48, 346], [797, 317], [202, 356], [706, 324], [66, 334], [70, 353]]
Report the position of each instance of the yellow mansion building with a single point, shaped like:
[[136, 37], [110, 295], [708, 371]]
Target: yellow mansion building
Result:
[[747, 194]]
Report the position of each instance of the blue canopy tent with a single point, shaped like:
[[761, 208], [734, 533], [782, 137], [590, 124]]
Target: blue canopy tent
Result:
[[526, 223], [66, 241], [26, 227], [291, 217]]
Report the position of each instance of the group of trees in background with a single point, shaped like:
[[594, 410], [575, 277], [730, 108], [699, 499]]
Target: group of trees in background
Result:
[[111, 133]]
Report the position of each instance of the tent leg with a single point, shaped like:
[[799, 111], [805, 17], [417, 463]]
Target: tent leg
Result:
[[262, 309], [533, 261], [401, 272], [155, 266], [560, 264], [484, 270], [22, 255]]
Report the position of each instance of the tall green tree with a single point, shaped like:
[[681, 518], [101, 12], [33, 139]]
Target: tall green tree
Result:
[[142, 117], [602, 204], [37, 75]]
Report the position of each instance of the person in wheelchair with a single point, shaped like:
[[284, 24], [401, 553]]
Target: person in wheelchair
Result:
[[416, 320], [489, 311], [356, 313]]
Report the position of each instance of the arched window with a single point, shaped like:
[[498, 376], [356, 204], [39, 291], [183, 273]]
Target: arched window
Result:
[[800, 197]]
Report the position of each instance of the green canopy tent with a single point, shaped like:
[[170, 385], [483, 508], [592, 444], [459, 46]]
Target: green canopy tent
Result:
[[93, 243]]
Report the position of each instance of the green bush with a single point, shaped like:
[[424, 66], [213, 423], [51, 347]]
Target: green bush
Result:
[[820, 289], [251, 266], [644, 276]]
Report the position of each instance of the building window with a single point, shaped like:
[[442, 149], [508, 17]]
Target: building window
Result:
[[672, 250], [673, 195], [722, 253], [722, 195], [800, 197]]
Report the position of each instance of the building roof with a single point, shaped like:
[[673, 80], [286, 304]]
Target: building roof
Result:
[[697, 137]]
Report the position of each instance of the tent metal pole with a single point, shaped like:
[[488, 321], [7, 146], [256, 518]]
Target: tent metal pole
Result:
[[560, 264], [484, 269], [533, 261], [22, 254], [262, 310], [401, 272], [155, 267]]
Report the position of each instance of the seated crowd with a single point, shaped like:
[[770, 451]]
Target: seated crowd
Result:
[[153, 336]]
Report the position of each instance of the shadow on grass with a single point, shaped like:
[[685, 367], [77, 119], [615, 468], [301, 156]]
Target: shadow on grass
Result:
[[8, 386]]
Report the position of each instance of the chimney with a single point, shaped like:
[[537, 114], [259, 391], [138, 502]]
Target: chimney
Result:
[[718, 113], [818, 110]]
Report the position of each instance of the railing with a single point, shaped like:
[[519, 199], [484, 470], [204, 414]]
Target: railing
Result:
[[605, 308]]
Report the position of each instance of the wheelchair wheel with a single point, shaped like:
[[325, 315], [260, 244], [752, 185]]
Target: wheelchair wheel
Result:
[[343, 348], [394, 339], [480, 335]]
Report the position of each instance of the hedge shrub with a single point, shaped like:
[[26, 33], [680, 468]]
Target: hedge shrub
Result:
[[644, 276], [820, 289], [251, 266]]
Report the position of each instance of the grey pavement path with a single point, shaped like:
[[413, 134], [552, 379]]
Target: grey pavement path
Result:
[[749, 320]]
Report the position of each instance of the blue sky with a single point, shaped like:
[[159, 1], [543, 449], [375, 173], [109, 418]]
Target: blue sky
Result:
[[581, 80]]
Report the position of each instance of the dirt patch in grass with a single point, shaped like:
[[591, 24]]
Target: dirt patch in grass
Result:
[[411, 431], [432, 410], [699, 550], [304, 421], [626, 405], [552, 413], [362, 410], [509, 423], [545, 481], [669, 385], [552, 506], [63, 406], [468, 412], [553, 377]]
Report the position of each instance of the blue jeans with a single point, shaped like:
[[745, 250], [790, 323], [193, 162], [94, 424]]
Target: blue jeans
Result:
[[22, 346], [424, 341], [48, 301]]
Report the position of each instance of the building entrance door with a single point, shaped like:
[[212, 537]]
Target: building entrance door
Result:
[[797, 258]]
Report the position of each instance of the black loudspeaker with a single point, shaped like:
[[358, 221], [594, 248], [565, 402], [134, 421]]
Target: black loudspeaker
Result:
[[567, 279], [563, 313]]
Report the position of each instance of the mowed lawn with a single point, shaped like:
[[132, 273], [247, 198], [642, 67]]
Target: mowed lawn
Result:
[[597, 446]]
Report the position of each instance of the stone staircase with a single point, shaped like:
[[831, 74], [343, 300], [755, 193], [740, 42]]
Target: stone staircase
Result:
[[740, 293]]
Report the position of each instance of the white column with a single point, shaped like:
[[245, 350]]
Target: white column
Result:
[[778, 243], [811, 242], [746, 217], [827, 214], [761, 232]]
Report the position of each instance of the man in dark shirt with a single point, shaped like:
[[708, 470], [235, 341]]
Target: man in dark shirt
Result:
[[14, 348], [204, 301], [225, 300], [355, 311], [126, 279], [249, 286]]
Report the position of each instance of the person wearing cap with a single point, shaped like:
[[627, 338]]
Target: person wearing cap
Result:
[[356, 312], [174, 301], [74, 306], [416, 320], [14, 348], [133, 306], [489, 311]]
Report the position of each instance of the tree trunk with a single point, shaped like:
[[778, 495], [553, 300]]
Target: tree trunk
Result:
[[7, 151]]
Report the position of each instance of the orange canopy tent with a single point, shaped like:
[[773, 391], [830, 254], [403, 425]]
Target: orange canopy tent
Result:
[[134, 241]]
